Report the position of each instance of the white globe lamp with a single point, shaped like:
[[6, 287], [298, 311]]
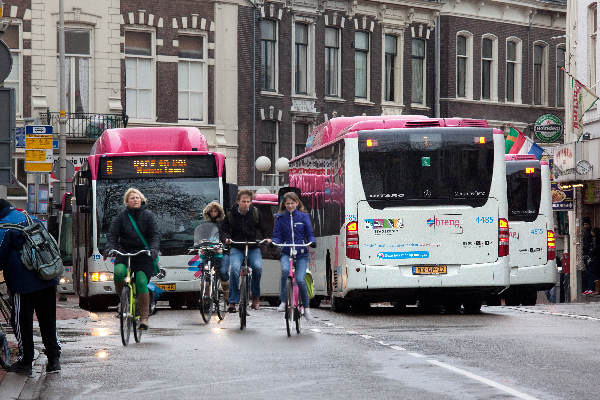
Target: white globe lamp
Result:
[[282, 165], [263, 164]]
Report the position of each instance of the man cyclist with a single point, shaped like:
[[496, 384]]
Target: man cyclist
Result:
[[241, 224]]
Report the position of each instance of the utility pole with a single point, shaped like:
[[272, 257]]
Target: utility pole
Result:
[[62, 135]]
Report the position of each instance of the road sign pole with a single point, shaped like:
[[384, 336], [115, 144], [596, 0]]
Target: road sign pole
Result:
[[62, 136]]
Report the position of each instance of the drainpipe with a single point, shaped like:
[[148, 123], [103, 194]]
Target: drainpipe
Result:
[[437, 66]]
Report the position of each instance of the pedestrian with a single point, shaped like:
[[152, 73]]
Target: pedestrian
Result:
[[28, 293], [241, 224], [293, 226], [595, 261], [214, 213], [134, 229], [588, 243]]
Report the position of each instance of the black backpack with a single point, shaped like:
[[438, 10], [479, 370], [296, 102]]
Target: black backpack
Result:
[[40, 251]]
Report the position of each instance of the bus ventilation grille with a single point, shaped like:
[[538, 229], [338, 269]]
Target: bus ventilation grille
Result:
[[422, 124], [474, 122]]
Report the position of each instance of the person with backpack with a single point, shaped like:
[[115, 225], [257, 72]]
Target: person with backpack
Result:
[[214, 213], [29, 292], [293, 226], [133, 229], [241, 224]]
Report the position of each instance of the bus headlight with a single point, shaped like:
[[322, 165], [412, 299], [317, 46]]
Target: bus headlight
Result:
[[101, 276], [64, 280]]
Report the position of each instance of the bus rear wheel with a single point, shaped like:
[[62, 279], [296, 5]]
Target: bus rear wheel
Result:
[[472, 307], [339, 305]]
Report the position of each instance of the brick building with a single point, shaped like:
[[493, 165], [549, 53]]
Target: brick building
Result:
[[502, 61]]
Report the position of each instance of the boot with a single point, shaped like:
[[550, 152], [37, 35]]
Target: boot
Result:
[[596, 288], [225, 288], [143, 300]]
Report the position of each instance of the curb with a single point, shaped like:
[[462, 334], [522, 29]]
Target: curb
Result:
[[15, 386]]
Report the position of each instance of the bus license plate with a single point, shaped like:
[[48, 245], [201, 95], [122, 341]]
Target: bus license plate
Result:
[[168, 286], [435, 270]]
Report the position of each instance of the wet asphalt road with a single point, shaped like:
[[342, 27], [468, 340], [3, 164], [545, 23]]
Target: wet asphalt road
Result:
[[502, 353]]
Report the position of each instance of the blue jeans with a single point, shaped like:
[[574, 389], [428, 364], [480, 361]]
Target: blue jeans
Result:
[[236, 257], [223, 270], [301, 265]]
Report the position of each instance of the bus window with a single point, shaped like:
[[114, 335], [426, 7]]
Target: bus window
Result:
[[524, 186], [267, 221], [426, 166]]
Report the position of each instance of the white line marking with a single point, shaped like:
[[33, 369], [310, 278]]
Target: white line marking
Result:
[[352, 332], [366, 336], [328, 323], [417, 355], [315, 330], [383, 343], [398, 348], [481, 379], [545, 312]]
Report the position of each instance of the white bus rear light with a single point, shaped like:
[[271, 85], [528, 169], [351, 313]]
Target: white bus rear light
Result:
[[352, 250], [551, 246], [503, 248]]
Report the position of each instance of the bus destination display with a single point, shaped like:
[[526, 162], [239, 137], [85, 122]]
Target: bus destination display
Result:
[[163, 166]]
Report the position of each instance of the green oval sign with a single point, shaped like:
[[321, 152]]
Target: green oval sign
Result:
[[548, 128]]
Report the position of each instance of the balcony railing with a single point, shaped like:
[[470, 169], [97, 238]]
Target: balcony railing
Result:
[[85, 125]]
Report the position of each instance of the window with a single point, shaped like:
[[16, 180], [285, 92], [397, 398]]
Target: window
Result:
[[332, 61], [539, 74], [12, 38], [77, 70], [300, 137], [391, 51], [489, 68], [418, 71], [269, 141], [592, 43], [361, 64], [560, 76], [513, 70], [461, 66], [192, 77], [139, 75], [301, 39], [268, 48]]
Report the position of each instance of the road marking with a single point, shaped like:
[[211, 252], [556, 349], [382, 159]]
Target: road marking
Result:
[[557, 314], [417, 355], [315, 330], [352, 332], [481, 379], [398, 348], [383, 343], [366, 336]]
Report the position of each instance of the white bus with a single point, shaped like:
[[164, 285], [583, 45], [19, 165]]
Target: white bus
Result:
[[407, 210], [178, 174], [532, 245]]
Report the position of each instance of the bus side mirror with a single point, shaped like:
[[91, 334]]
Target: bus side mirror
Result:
[[81, 195], [286, 189], [230, 195]]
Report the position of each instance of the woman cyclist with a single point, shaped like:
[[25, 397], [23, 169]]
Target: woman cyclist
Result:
[[123, 236], [214, 213], [293, 226]]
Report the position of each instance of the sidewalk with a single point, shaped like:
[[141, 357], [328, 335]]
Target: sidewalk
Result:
[[15, 386]]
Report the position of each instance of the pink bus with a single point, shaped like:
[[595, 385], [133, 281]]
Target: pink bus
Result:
[[177, 173]]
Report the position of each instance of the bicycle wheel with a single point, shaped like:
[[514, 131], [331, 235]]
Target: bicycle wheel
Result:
[[289, 306], [243, 300], [205, 306], [4, 350], [297, 314], [137, 332], [125, 317], [218, 298]]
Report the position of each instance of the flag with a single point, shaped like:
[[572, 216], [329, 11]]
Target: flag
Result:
[[524, 145], [511, 138], [583, 99]]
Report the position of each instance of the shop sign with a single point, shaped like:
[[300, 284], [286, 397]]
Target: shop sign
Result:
[[548, 128], [564, 162], [562, 196]]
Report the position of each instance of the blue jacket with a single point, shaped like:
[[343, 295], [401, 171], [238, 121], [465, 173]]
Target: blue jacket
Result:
[[303, 231], [18, 278]]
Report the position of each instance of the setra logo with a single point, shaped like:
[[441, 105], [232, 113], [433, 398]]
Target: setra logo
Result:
[[431, 222]]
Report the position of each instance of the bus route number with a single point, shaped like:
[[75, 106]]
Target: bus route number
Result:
[[484, 220], [537, 231]]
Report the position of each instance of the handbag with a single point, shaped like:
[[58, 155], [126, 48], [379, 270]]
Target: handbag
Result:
[[310, 285], [155, 270]]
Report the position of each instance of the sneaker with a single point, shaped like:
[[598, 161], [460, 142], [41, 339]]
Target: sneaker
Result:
[[231, 308], [587, 292], [281, 307], [20, 367], [308, 315], [53, 366]]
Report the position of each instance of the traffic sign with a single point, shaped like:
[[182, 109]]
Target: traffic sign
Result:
[[38, 148]]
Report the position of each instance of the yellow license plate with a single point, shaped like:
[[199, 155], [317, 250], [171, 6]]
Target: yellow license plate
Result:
[[434, 270], [168, 286]]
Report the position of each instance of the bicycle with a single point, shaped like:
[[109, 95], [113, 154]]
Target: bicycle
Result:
[[208, 277], [245, 277], [129, 314], [293, 310]]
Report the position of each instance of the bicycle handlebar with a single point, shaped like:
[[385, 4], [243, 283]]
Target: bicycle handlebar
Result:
[[117, 252], [206, 245], [292, 245], [253, 243]]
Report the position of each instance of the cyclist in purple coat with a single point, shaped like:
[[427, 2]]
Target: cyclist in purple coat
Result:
[[293, 226]]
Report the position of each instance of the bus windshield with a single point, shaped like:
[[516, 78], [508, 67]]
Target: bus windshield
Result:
[[426, 166], [524, 186], [66, 239], [177, 204]]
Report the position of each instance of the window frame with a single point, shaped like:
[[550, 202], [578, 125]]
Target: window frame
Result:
[[468, 65], [18, 52], [423, 102], [592, 45], [309, 128], [71, 78], [204, 91], [493, 68], [518, 62], [152, 58], [310, 57], [275, 58], [398, 69], [543, 76], [368, 67], [338, 63], [560, 76], [274, 142]]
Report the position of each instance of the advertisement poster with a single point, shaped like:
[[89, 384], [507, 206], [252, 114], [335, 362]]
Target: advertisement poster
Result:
[[562, 197], [31, 198]]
